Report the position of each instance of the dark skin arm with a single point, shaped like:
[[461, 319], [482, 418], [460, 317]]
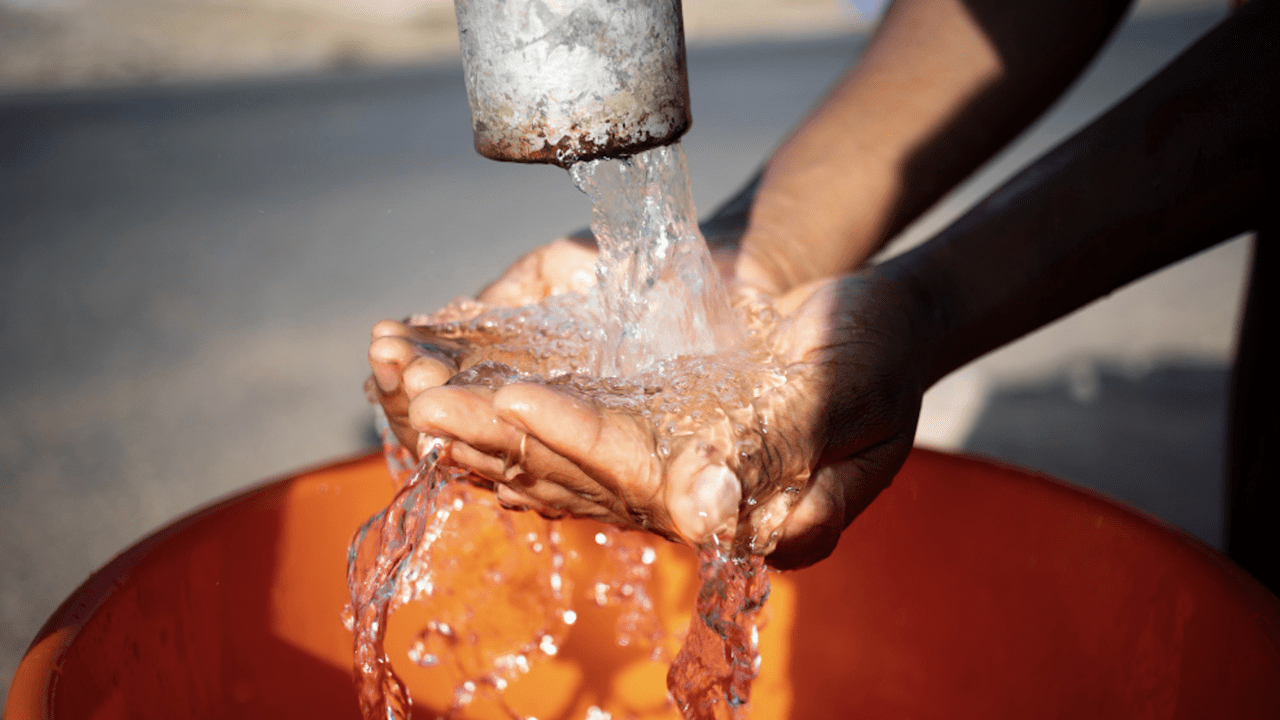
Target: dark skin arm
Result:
[[1187, 161], [843, 181], [942, 86]]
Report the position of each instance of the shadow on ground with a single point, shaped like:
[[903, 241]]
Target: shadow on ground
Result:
[[1154, 440]]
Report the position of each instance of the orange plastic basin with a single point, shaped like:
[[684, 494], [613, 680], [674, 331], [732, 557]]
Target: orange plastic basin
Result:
[[967, 590]]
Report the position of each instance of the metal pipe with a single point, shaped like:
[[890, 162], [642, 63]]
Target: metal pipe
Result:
[[562, 81]]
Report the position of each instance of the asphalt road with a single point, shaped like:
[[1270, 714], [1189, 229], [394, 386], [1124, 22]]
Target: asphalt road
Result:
[[188, 275]]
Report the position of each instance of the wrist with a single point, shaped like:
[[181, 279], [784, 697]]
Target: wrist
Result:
[[927, 317]]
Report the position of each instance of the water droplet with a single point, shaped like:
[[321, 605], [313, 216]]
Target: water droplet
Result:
[[548, 645]]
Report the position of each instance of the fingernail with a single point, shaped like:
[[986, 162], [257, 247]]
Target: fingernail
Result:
[[711, 505], [387, 377]]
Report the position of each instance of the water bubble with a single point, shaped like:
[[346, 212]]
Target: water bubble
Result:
[[548, 645], [418, 654]]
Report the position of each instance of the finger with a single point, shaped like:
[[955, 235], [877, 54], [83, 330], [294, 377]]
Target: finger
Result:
[[462, 413], [482, 464], [388, 353], [570, 265], [837, 494], [551, 501], [610, 448], [602, 456], [564, 265], [545, 477], [428, 371], [388, 356], [558, 481], [811, 530], [497, 450], [561, 500], [702, 495], [512, 499], [389, 328]]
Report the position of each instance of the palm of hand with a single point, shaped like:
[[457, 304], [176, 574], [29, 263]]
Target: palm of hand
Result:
[[842, 425]]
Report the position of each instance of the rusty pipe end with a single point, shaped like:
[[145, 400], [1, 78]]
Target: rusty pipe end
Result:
[[532, 145], [564, 81]]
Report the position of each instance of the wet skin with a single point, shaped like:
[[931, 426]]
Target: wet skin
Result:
[[1185, 162]]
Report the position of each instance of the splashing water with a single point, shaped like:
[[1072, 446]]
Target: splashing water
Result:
[[658, 338], [711, 677], [376, 561], [660, 294]]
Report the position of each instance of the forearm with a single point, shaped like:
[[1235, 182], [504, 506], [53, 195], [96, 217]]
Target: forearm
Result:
[[941, 87], [1187, 161]]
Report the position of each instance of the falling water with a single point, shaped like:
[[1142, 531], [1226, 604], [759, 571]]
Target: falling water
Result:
[[659, 291], [657, 338]]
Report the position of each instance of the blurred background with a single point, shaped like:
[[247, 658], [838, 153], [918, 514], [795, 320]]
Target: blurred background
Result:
[[205, 205]]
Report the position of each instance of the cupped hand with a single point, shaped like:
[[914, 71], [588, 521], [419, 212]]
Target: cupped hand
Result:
[[838, 431], [407, 359]]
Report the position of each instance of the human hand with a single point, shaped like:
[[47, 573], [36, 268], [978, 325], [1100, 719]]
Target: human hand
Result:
[[838, 430], [407, 359]]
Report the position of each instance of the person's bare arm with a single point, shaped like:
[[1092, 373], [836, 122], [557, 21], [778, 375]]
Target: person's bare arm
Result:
[[1187, 161], [941, 87]]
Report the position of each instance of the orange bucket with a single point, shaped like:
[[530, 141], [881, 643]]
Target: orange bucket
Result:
[[967, 590]]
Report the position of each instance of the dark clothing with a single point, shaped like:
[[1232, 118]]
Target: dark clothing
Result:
[[1253, 473]]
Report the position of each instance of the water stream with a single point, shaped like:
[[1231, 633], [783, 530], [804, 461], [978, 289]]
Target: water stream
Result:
[[659, 338]]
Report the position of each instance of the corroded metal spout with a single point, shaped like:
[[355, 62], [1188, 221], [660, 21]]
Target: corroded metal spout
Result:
[[562, 81]]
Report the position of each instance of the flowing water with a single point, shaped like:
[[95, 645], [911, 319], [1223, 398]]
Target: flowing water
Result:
[[657, 338]]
